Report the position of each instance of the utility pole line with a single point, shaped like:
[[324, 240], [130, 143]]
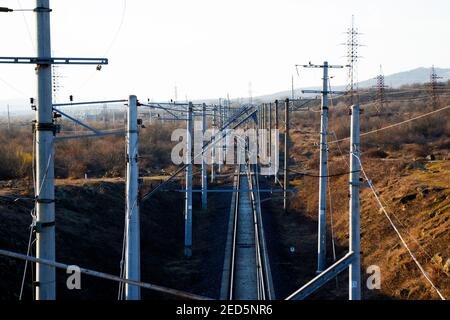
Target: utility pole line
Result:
[[286, 155], [354, 213], [322, 227], [352, 259], [204, 173], [132, 250], [188, 197]]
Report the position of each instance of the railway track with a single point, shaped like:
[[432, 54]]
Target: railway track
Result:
[[246, 273]]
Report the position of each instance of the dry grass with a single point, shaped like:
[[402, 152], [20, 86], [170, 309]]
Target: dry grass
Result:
[[103, 157]]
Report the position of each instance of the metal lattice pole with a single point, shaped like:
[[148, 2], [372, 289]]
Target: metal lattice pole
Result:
[[433, 88], [381, 90]]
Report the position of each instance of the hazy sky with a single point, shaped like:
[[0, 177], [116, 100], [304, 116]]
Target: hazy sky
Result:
[[209, 48]]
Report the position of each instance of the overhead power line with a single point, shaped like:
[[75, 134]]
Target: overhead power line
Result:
[[395, 124], [422, 270]]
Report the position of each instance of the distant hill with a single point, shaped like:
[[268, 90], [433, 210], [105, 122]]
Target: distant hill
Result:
[[396, 80], [418, 75]]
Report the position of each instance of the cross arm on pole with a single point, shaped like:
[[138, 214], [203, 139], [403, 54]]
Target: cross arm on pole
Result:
[[34, 60], [93, 135], [321, 92], [318, 66], [70, 104], [77, 121], [168, 110]]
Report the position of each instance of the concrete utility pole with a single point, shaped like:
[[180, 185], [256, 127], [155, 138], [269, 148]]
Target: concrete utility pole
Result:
[[276, 128], [9, 118], [220, 143], [354, 218], [188, 197], [105, 118], [292, 88], [323, 174], [265, 128], [229, 105], [270, 132], [322, 228], [44, 131], [227, 136], [132, 249], [263, 140], [45, 204], [286, 155], [204, 173], [258, 128], [213, 155]]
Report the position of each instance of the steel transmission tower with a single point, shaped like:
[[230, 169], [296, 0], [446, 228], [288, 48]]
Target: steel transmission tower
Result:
[[381, 91], [433, 88], [352, 61]]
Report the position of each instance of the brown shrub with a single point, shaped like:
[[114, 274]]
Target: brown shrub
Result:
[[377, 153]]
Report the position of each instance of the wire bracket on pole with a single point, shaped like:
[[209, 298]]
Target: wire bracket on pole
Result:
[[42, 9], [39, 226]]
